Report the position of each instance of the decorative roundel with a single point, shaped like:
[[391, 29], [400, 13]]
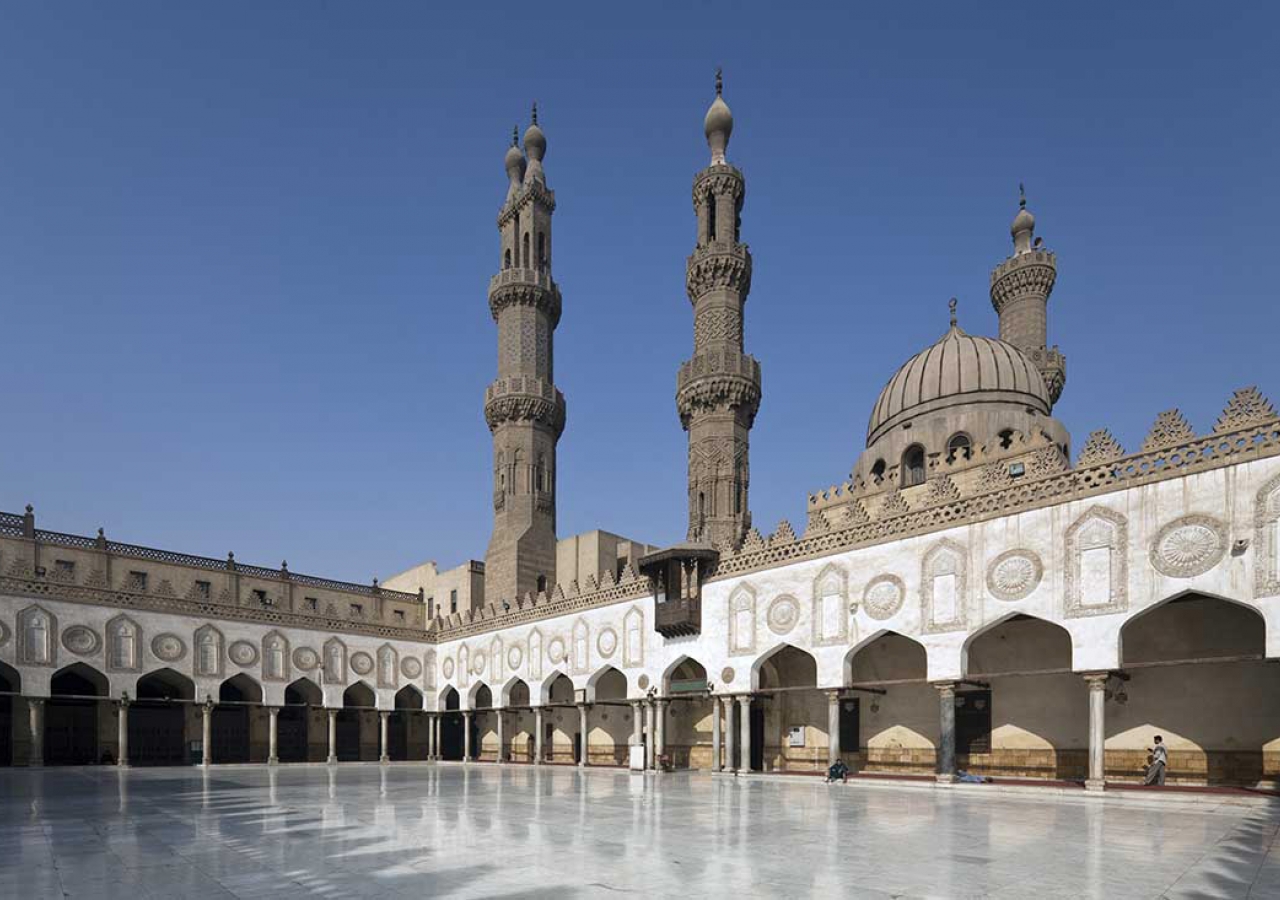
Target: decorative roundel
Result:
[[478, 659], [883, 596], [447, 667], [361, 663], [4, 634], [783, 614], [306, 659], [643, 681], [81, 640], [1189, 546], [555, 650], [1014, 574], [515, 656], [726, 675], [168, 647], [243, 653], [607, 642], [410, 667]]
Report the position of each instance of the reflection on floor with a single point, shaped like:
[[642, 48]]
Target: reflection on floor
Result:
[[418, 830]]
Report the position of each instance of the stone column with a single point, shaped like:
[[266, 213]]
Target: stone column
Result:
[[122, 732], [833, 727], [466, 736], [206, 733], [730, 735], [537, 735], [946, 731], [437, 723], [744, 713], [333, 736], [650, 761], [273, 735], [35, 715], [637, 723], [660, 738], [582, 728], [383, 717], [715, 734], [1097, 682], [502, 734]]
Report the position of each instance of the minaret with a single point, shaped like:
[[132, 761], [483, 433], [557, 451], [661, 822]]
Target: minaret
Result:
[[718, 390], [1020, 289], [524, 410]]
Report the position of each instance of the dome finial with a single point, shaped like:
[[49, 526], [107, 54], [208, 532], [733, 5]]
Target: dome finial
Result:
[[718, 124], [515, 135], [952, 304], [535, 112], [1022, 196], [719, 81], [1024, 224]]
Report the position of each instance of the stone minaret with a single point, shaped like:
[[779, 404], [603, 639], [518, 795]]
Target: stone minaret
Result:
[[718, 390], [1020, 289], [524, 410]]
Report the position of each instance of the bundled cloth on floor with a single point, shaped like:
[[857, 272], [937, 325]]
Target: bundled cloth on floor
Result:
[[968, 778], [837, 771]]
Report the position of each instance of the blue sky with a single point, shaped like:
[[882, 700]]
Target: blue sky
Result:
[[244, 248]]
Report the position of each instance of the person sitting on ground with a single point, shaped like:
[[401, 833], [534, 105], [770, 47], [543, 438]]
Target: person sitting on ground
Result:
[[1159, 762], [837, 771]]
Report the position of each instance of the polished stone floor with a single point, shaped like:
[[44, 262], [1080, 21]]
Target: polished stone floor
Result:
[[425, 831]]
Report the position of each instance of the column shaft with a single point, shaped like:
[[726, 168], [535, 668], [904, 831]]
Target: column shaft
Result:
[[466, 736], [383, 717], [502, 734], [833, 727], [582, 729], [730, 735], [715, 734], [35, 719], [946, 732], [660, 738], [744, 712], [206, 734], [122, 734], [1097, 682], [650, 761], [333, 735], [273, 735], [537, 735]]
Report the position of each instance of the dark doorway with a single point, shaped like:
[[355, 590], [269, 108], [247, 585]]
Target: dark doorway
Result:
[[400, 724], [451, 726], [973, 722], [356, 701], [293, 721], [577, 746], [10, 683], [71, 718], [549, 732], [849, 725], [157, 720], [230, 722], [757, 737]]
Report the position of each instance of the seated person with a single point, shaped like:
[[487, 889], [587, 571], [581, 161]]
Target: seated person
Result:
[[837, 771]]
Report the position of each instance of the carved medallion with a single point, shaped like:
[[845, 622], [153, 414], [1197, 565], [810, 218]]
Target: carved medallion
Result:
[[447, 667], [783, 614], [306, 659], [168, 647], [477, 662], [80, 640], [726, 675], [243, 653], [1189, 546], [1014, 574], [883, 596], [643, 681], [607, 642], [515, 656], [555, 650], [361, 663], [410, 667]]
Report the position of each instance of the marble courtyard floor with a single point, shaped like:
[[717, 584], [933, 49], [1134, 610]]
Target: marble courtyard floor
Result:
[[424, 831]]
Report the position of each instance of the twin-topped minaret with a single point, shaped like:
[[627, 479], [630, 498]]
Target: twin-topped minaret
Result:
[[718, 390], [1020, 289], [524, 410]]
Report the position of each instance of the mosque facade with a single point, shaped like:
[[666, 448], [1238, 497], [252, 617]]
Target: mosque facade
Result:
[[980, 594]]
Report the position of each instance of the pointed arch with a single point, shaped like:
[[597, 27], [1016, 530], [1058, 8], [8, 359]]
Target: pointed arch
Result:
[[1016, 643], [609, 683], [480, 697], [124, 645], [165, 684], [240, 688], [408, 697], [784, 665], [683, 673], [450, 699], [556, 688], [78, 679], [516, 693], [10, 678], [1193, 625], [887, 655], [303, 691], [359, 694]]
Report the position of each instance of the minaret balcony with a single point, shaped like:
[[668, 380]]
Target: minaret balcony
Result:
[[523, 398], [719, 363], [532, 277], [524, 287], [1033, 272]]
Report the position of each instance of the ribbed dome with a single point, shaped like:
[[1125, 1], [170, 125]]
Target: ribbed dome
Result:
[[959, 369]]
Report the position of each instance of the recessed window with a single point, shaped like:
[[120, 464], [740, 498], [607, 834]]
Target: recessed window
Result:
[[399, 614], [913, 466], [431, 605], [1006, 439], [959, 448], [453, 601], [542, 584], [357, 609], [137, 581], [204, 590], [65, 567], [877, 471], [312, 604]]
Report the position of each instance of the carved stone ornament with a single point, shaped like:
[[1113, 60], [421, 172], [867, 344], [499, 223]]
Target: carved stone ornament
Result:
[[607, 642], [361, 663], [447, 667], [726, 675], [783, 614], [515, 656], [410, 667], [643, 682], [1014, 574], [883, 596], [243, 653], [478, 661], [555, 650], [306, 659], [1189, 546], [1266, 540], [4, 634], [168, 647], [81, 640]]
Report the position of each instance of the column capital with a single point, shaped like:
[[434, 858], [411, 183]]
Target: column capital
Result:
[[333, 712], [834, 694], [945, 688], [1097, 680], [36, 701], [744, 699]]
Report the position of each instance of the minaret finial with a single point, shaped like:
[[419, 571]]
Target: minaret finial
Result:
[[535, 112], [719, 81], [1022, 196], [952, 304], [515, 135]]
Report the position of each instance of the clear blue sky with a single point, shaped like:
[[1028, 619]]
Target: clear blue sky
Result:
[[244, 248]]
